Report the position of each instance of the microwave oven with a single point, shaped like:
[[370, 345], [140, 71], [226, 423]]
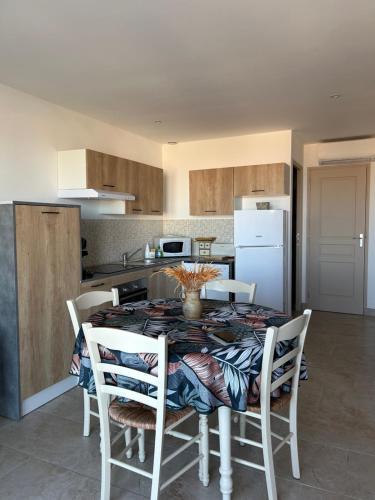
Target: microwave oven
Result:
[[174, 246]]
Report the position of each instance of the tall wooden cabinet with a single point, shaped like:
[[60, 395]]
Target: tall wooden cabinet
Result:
[[40, 268], [211, 191]]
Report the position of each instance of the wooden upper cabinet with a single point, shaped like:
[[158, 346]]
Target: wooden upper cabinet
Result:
[[146, 183], [155, 194], [89, 165], [135, 173], [114, 173], [85, 168], [106, 172], [262, 180], [211, 191]]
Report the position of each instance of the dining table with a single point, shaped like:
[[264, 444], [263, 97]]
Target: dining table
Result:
[[204, 371]]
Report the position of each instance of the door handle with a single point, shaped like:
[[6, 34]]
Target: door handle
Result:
[[360, 238]]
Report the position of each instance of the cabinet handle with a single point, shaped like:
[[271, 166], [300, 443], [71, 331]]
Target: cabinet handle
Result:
[[96, 286], [210, 211], [156, 211], [109, 185], [137, 209], [257, 190], [51, 212]]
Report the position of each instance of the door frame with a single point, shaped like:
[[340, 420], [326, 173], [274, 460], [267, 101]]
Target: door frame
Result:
[[367, 165], [299, 228]]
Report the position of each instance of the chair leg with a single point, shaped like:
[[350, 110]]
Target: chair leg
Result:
[[128, 438], [105, 493], [86, 413], [268, 458], [204, 450], [158, 453], [242, 427], [106, 479], [141, 445], [294, 438]]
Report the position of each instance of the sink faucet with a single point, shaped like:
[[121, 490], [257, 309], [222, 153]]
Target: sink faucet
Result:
[[126, 256]]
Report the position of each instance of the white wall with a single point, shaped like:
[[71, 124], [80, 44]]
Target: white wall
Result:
[[252, 149], [33, 130], [342, 150]]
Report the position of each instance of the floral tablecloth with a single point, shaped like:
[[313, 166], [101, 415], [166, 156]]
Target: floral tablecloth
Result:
[[202, 373]]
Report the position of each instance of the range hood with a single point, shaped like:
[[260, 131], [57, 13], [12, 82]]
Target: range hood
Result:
[[94, 194]]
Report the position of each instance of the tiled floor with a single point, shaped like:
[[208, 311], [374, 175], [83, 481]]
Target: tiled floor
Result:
[[45, 457]]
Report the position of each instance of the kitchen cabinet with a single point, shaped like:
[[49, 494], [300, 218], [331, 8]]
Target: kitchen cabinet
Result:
[[146, 183], [105, 283], [158, 284], [261, 180], [85, 168], [40, 267], [156, 191], [114, 173], [211, 191]]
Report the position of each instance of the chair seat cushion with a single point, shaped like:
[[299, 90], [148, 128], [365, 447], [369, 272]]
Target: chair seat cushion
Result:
[[276, 403], [141, 416]]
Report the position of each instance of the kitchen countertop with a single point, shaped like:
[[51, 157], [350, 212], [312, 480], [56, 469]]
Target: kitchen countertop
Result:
[[214, 259], [116, 268]]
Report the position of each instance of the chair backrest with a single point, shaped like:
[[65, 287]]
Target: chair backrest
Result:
[[124, 341], [233, 286], [296, 330], [88, 300]]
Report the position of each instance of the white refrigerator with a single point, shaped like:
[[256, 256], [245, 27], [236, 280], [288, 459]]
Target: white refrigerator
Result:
[[260, 249]]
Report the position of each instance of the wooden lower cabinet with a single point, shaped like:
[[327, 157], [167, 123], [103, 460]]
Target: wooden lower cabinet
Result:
[[159, 285], [46, 270]]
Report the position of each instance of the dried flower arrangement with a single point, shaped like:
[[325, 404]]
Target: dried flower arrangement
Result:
[[192, 281]]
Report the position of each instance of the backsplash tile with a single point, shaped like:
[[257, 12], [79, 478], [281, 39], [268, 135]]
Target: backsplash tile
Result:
[[107, 239], [222, 229]]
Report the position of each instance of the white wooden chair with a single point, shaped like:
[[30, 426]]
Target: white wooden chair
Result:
[[142, 411], [261, 413], [76, 307], [233, 286]]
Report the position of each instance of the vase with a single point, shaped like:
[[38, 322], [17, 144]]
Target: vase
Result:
[[192, 305]]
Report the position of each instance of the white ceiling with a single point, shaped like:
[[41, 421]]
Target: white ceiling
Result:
[[206, 68]]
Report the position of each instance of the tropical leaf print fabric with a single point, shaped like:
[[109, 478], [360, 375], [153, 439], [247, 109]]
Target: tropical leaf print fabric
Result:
[[202, 373]]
